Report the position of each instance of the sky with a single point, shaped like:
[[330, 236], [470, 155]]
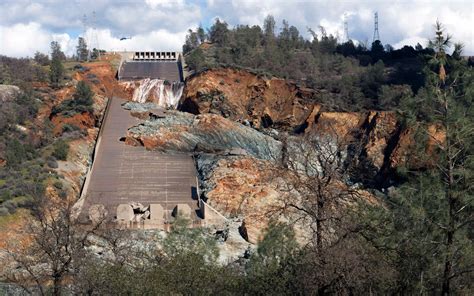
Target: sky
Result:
[[161, 25]]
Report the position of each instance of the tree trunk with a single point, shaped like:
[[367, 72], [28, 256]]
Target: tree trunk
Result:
[[56, 285], [449, 183]]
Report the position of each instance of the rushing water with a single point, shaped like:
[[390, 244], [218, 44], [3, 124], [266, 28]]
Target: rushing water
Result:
[[165, 94]]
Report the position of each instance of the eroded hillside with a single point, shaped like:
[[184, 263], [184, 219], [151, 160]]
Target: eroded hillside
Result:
[[250, 133], [56, 123]]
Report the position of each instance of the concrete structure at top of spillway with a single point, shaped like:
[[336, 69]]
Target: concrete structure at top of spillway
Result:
[[156, 56], [164, 65]]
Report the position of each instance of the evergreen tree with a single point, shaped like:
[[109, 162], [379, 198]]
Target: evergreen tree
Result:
[[56, 51], [81, 50], [192, 41], [201, 34], [451, 97], [41, 58], [428, 230], [269, 29], [57, 69], [377, 50], [196, 59], [219, 33]]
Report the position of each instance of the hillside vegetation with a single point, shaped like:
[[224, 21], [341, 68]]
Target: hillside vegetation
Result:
[[422, 230], [349, 77]]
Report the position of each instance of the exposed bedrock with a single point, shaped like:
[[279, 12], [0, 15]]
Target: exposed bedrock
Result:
[[8, 92], [244, 127], [184, 132], [375, 140], [246, 97]]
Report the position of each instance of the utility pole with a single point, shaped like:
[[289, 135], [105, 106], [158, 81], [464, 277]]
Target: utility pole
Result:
[[376, 27]]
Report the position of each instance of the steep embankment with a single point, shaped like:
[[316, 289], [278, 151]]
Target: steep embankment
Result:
[[274, 105], [248, 98], [79, 130]]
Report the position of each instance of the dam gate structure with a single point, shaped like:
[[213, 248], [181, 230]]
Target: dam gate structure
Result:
[[151, 64]]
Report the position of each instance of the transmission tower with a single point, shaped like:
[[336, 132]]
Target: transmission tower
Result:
[[84, 29], [85, 34], [94, 41], [346, 29], [376, 27]]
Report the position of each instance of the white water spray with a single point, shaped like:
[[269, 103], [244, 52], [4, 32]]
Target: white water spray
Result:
[[166, 95]]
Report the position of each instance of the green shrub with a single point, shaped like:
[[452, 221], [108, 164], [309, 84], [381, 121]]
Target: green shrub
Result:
[[10, 205], [52, 163], [58, 184], [81, 102], [61, 150], [67, 128], [15, 153], [3, 211]]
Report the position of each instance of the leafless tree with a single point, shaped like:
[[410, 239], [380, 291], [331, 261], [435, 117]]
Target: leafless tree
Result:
[[314, 182], [313, 174], [52, 249]]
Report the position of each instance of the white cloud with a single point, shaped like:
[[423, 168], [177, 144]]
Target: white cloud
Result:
[[164, 3], [23, 39], [398, 20], [159, 40], [26, 26]]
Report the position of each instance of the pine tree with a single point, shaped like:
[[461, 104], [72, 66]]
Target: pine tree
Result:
[[428, 230], [81, 50], [56, 72], [452, 110], [219, 33], [56, 51]]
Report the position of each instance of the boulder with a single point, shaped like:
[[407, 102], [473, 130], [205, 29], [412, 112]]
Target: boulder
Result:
[[8, 92]]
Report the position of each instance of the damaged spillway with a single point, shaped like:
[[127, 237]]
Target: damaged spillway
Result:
[[162, 92]]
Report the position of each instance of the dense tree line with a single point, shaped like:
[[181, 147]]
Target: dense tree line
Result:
[[349, 76], [21, 71]]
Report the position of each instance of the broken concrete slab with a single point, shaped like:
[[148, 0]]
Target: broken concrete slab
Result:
[[125, 212]]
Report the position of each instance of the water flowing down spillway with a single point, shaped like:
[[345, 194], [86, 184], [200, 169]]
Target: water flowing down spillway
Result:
[[165, 94]]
